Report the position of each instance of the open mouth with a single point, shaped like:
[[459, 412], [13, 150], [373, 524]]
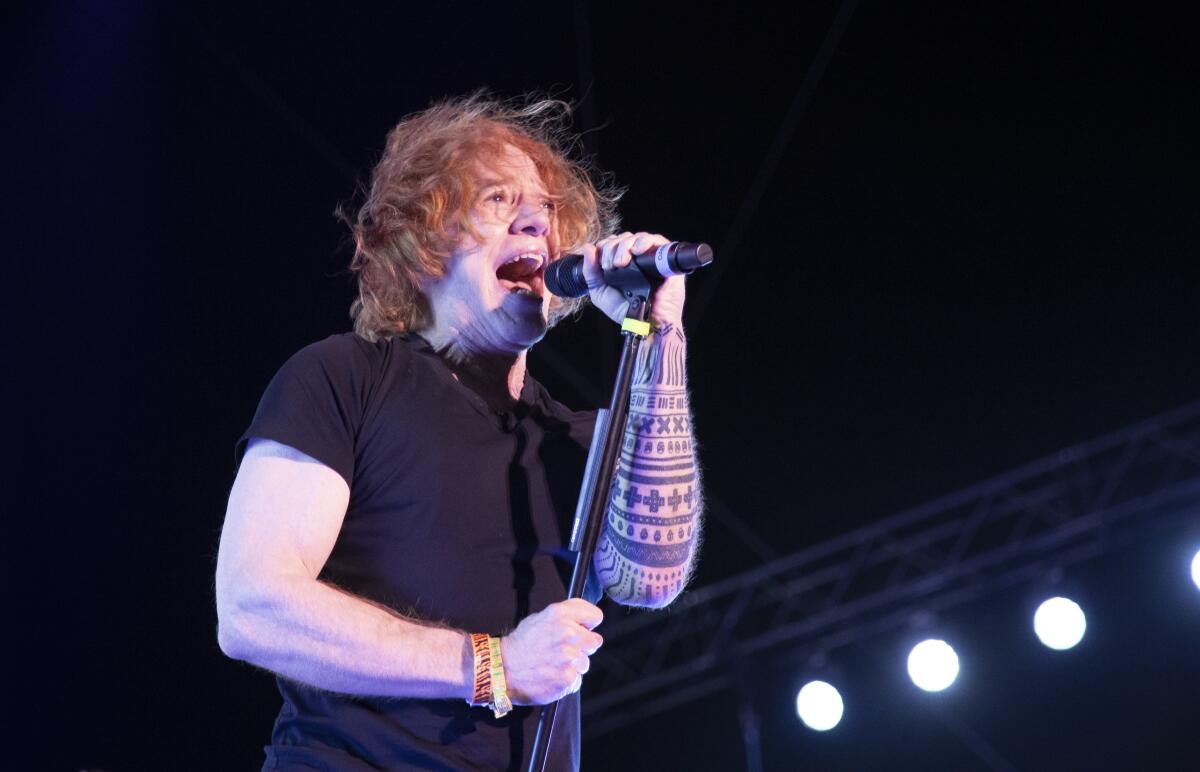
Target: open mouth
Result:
[[522, 275]]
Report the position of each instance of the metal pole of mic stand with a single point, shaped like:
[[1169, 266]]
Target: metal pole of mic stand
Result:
[[598, 495]]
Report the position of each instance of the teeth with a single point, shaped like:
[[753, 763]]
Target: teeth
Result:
[[534, 256]]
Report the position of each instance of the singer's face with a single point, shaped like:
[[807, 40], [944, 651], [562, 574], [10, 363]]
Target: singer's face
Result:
[[492, 296]]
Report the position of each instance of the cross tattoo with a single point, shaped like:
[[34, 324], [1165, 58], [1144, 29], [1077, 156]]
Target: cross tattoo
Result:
[[654, 500]]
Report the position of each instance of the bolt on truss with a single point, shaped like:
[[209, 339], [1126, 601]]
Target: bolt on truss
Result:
[[1052, 512]]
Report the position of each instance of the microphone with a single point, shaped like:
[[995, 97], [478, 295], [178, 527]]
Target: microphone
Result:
[[564, 277]]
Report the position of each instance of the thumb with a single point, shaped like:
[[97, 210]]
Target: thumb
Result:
[[607, 299]]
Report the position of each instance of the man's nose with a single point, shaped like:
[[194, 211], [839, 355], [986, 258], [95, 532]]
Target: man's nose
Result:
[[532, 219]]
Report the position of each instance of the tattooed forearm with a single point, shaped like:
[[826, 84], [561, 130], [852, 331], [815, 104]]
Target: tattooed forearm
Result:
[[653, 525]]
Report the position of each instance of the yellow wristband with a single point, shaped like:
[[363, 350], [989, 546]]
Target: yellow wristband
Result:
[[636, 326], [501, 705]]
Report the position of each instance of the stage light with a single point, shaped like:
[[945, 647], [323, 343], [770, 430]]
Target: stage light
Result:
[[819, 706], [1196, 570], [1059, 623], [932, 665]]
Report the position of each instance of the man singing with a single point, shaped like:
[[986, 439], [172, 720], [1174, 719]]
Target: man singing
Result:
[[394, 544]]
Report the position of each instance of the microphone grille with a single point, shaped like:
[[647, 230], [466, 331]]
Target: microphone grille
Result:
[[564, 277]]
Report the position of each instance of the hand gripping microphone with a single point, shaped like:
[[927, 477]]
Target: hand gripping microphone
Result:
[[564, 277]]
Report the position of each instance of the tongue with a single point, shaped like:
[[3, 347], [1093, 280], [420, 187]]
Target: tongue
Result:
[[512, 279], [513, 286]]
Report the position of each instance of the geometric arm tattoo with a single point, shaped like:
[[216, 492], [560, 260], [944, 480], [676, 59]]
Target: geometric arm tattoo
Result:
[[652, 524]]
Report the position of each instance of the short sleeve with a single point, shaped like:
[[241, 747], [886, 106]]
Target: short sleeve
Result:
[[316, 402]]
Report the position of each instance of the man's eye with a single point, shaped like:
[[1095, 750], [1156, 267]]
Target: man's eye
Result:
[[550, 206]]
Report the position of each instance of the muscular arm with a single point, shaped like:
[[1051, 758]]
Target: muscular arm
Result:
[[652, 527], [285, 512], [284, 515]]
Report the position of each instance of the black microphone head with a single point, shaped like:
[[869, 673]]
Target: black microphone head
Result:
[[690, 256], [564, 277]]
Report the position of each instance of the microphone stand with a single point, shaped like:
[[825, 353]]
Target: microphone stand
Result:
[[594, 496]]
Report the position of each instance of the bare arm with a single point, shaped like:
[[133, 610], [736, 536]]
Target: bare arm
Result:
[[652, 527], [284, 515]]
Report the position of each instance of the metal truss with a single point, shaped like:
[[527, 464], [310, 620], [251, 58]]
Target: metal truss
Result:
[[1050, 513]]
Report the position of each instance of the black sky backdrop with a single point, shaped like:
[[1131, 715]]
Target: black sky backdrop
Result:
[[977, 246]]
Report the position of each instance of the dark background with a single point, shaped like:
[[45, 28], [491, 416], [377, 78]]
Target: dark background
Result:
[[976, 244]]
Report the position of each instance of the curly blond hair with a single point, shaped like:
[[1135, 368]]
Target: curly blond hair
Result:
[[423, 187]]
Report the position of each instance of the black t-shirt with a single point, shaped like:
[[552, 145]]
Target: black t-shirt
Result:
[[457, 515]]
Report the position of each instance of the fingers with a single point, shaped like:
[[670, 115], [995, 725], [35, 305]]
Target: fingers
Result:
[[587, 614], [616, 251], [586, 617], [581, 642], [546, 656], [591, 643], [604, 297], [591, 266]]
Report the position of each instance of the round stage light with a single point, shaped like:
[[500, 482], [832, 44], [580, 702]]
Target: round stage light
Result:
[[932, 665], [1059, 623], [1196, 570], [819, 706]]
